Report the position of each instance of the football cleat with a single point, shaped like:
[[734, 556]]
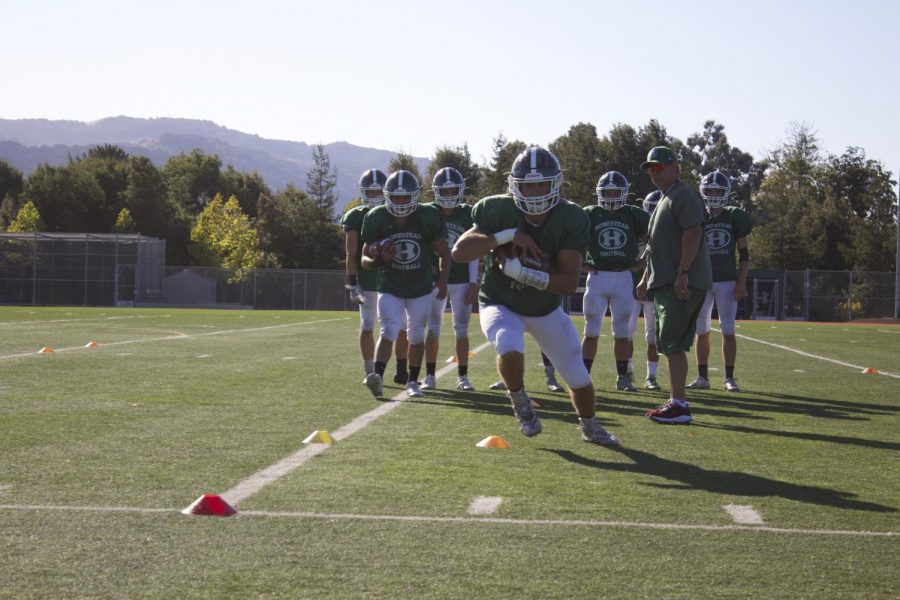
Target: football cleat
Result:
[[498, 385], [671, 412], [701, 383], [463, 385], [529, 422], [375, 384], [731, 385], [623, 384], [413, 390], [429, 383], [356, 294], [553, 384], [592, 431], [651, 383]]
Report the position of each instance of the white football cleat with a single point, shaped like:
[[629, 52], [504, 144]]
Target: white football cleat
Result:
[[463, 385], [429, 383], [592, 431], [731, 385], [375, 384], [701, 383], [412, 389]]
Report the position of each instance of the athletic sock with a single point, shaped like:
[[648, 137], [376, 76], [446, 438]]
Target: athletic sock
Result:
[[621, 367], [414, 373], [462, 370], [703, 371], [729, 372], [401, 366], [429, 368], [588, 363], [369, 366], [379, 368], [630, 366], [651, 368]]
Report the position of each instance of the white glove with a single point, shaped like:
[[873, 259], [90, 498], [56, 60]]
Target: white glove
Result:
[[512, 268], [356, 293]]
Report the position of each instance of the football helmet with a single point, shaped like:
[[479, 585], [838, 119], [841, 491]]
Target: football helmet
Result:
[[401, 183], [372, 180], [714, 188], [612, 190], [535, 165], [652, 199], [447, 180]]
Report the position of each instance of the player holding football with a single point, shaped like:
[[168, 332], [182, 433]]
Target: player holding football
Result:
[[449, 190], [616, 229], [361, 282], [726, 232], [399, 238], [526, 231]]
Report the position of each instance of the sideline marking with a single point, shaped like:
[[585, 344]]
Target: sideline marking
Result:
[[743, 514], [467, 520], [807, 354], [183, 336], [485, 505], [264, 477]]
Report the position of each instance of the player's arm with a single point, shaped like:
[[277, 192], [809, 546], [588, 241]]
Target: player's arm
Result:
[[475, 243], [351, 243], [377, 254], [565, 281], [740, 286]]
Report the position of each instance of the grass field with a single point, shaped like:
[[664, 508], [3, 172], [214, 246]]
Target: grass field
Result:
[[100, 450]]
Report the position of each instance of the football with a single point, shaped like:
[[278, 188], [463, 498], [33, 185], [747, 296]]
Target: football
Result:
[[383, 248], [510, 251]]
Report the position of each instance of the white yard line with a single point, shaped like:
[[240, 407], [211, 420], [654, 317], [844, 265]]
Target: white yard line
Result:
[[485, 505], [262, 478], [469, 520], [809, 355], [743, 514], [182, 336]]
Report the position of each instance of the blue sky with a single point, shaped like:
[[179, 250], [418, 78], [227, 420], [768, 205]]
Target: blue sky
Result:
[[412, 76]]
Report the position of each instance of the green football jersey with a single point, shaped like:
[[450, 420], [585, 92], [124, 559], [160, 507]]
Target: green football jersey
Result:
[[566, 228], [458, 222], [352, 221], [614, 236], [722, 233], [410, 274]]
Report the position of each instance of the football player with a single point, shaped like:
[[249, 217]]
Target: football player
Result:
[[361, 282], [616, 229], [726, 232], [645, 306], [535, 243], [462, 288], [399, 237]]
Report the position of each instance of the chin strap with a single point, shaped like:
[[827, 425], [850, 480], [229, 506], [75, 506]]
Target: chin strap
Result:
[[513, 269]]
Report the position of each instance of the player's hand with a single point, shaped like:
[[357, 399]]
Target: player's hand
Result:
[[441, 290], [527, 246], [681, 287], [740, 291], [641, 290], [471, 293]]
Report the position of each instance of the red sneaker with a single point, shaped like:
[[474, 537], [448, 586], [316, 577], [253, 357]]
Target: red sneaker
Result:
[[670, 412]]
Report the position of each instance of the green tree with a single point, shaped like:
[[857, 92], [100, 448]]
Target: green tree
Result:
[[460, 159], [11, 185], [295, 234], [246, 187], [192, 179], [224, 237], [580, 156], [124, 223], [154, 212], [407, 163], [714, 152], [28, 220], [69, 199], [321, 181], [496, 175]]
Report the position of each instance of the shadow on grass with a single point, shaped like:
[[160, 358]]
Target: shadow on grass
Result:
[[732, 483], [800, 435]]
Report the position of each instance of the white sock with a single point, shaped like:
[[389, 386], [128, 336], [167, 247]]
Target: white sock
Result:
[[630, 366], [369, 366], [651, 368]]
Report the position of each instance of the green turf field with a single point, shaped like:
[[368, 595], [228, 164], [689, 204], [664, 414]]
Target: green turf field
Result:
[[100, 450]]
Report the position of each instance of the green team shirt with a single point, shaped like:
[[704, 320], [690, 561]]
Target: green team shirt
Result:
[[352, 221], [680, 208], [410, 274], [614, 236], [722, 233], [458, 222], [566, 228]]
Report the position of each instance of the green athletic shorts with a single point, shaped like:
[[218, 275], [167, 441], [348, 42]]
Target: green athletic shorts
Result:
[[676, 320]]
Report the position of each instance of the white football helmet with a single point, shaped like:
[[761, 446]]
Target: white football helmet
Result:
[[535, 165], [372, 180], [652, 199], [445, 182], [715, 188], [612, 190], [401, 184]]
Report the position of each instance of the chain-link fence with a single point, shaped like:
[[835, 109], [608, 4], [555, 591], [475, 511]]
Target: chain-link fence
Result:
[[839, 295]]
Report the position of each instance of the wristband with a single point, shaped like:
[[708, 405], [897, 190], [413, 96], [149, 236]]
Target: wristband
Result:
[[513, 269], [744, 254], [505, 236], [685, 272]]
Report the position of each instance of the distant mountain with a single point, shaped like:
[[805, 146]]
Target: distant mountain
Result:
[[26, 143]]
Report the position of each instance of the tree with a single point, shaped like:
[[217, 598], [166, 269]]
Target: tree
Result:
[[295, 234], [224, 237], [405, 162], [246, 187], [124, 223], [321, 181], [11, 185], [28, 220], [192, 179], [461, 160], [713, 152], [69, 199], [496, 175], [153, 210], [579, 154]]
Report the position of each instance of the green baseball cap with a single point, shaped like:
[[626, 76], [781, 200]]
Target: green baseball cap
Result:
[[660, 155]]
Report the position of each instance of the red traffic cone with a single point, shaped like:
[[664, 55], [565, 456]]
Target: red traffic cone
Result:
[[210, 505]]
